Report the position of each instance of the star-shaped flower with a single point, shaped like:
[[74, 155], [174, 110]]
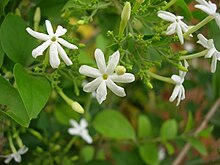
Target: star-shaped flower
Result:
[[177, 26], [105, 76], [209, 8], [80, 130], [212, 52], [53, 41], [16, 155], [179, 91]]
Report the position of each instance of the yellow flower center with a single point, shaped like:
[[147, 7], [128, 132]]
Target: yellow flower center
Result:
[[105, 76], [54, 38]]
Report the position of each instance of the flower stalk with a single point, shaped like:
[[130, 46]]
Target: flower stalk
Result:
[[161, 78], [168, 5], [137, 4], [195, 55]]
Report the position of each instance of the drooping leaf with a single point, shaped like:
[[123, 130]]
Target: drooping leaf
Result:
[[144, 126], [113, 124], [15, 41], [198, 145], [169, 129], [149, 153], [10, 97], [34, 90]]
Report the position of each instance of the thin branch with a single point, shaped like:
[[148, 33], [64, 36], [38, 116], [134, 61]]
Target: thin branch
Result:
[[203, 125]]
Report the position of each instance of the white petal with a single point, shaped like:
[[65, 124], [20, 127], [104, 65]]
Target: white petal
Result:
[[83, 123], [206, 9], [119, 91], [100, 60], [177, 79], [66, 44], [125, 78], [112, 62], [54, 58], [17, 157], [74, 123], [73, 131], [85, 135], [183, 26], [23, 150], [166, 16], [213, 64], [202, 40], [171, 29], [8, 159], [60, 31], [101, 92], [175, 93], [40, 49], [217, 19], [89, 71], [38, 35], [210, 53], [93, 85], [181, 95], [202, 2], [49, 28], [63, 55], [179, 33]]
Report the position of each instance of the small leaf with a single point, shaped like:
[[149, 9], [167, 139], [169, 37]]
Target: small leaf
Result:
[[169, 129], [153, 54], [206, 132], [34, 90], [113, 124], [190, 123], [15, 41], [9, 96], [144, 126], [198, 145], [87, 153], [2, 54], [169, 147], [149, 153]]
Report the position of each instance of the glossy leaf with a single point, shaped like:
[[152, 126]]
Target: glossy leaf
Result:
[[113, 124], [10, 97], [15, 41], [34, 90], [144, 126], [169, 129], [198, 145], [149, 153]]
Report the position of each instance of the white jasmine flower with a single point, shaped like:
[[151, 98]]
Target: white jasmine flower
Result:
[[16, 155], [53, 41], [177, 26], [105, 76], [209, 8], [161, 153], [212, 52], [80, 130], [179, 91]]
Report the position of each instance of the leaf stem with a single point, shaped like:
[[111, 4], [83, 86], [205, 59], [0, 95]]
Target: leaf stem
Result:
[[169, 4]]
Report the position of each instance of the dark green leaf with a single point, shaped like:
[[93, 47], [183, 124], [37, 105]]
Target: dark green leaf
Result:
[[182, 4], [15, 41], [3, 3], [169, 129], [2, 54], [190, 122], [98, 162], [198, 145], [34, 90], [206, 132], [153, 54], [10, 97], [144, 126], [149, 153], [113, 124]]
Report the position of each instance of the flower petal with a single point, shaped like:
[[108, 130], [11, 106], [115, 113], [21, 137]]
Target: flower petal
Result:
[[101, 92], [205, 9], [93, 85], [40, 49], [49, 28], [217, 19], [73, 131], [8, 159], [210, 53], [17, 157], [213, 64], [85, 135], [119, 91], [60, 31], [112, 62], [175, 93], [40, 36], [177, 79], [171, 29], [89, 71], [125, 78], [203, 41], [100, 60], [181, 95], [54, 58], [66, 44], [83, 123], [74, 123], [63, 55], [166, 16], [23, 150], [179, 33]]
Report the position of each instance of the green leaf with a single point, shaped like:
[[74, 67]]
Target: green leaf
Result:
[[34, 90], [190, 123], [169, 129], [113, 124], [197, 145], [3, 4], [206, 132], [87, 153], [149, 153], [169, 147], [98, 162], [144, 126], [15, 41], [9, 96], [182, 4], [2, 54], [153, 54]]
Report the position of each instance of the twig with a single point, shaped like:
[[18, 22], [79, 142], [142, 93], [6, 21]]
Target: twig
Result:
[[184, 151]]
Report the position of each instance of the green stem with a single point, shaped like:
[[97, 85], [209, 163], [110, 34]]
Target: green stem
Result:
[[169, 4], [11, 144], [195, 55], [69, 145], [161, 78], [19, 141], [198, 26]]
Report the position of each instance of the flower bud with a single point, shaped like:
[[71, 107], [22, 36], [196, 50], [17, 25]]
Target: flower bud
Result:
[[149, 85], [37, 15], [126, 12], [77, 107], [182, 68], [120, 70]]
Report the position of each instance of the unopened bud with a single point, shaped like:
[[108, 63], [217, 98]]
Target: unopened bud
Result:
[[149, 85], [126, 12], [120, 70], [37, 15], [81, 22], [77, 107], [140, 1], [182, 68]]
